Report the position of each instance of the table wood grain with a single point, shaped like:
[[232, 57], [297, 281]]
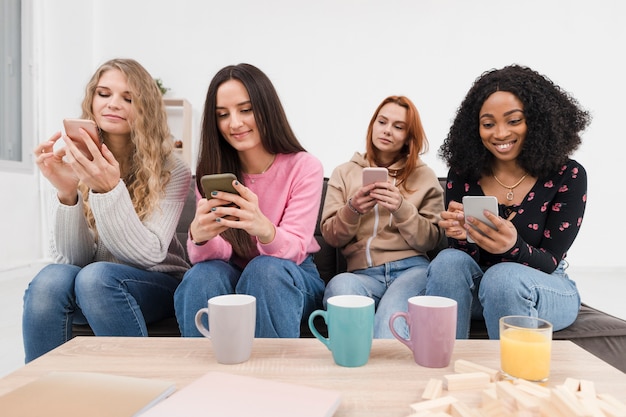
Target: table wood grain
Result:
[[385, 386]]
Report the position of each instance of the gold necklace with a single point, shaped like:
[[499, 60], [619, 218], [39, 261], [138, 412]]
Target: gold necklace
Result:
[[272, 159], [509, 195], [270, 164]]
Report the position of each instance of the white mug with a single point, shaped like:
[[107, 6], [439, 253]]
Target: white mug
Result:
[[232, 320]]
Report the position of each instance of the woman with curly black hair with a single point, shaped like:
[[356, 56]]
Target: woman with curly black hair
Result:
[[512, 138]]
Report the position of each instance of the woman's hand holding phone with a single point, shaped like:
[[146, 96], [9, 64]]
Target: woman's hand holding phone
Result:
[[75, 130], [476, 207], [377, 190], [91, 161], [229, 204], [484, 227]]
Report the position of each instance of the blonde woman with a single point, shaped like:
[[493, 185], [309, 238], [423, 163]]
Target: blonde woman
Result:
[[117, 258]]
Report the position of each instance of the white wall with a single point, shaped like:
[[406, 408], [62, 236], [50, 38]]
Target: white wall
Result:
[[333, 61]]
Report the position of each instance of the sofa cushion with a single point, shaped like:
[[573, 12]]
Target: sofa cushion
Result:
[[187, 215]]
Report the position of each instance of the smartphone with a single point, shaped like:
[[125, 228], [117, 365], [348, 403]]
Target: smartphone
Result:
[[71, 127], [218, 182], [374, 174], [474, 206]]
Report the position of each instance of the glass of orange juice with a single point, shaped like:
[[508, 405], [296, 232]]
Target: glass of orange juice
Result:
[[525, 346]]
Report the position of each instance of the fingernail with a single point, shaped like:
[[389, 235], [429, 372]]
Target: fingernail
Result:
[[213, 192], [213, 209], [218, 219], [236, 182]]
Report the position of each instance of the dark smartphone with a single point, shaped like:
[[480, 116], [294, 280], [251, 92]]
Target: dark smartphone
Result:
[[218, 182]]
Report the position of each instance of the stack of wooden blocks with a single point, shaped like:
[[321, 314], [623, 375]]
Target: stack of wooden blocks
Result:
[[518, 398]]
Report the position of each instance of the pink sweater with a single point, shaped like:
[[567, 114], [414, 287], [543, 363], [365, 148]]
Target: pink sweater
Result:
[[289, 195]]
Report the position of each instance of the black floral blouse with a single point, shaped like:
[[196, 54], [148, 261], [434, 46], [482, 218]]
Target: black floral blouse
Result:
[[547, 220]]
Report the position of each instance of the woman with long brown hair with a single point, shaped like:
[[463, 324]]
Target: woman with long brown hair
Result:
[[259, 241]]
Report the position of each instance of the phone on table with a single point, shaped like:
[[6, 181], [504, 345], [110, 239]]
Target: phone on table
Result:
[[374, 174], [218, 182], [474, 206], [72, 131]]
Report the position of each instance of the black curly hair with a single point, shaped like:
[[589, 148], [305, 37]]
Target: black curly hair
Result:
[[554, 120]]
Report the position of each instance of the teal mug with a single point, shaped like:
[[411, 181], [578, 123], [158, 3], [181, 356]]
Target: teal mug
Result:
[[350, 323]]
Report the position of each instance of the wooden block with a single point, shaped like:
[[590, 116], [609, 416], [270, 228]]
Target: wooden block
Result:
[[488, 395], [460, 409], [593, 405], [522, 400], [433, 389], [549, 409], [496, 409], [463, 366], [572, 384], [613, 401], [532, 388], [424, 413], [438, 404], [567, 402], [611, 406], [470, 380], [586, 389]]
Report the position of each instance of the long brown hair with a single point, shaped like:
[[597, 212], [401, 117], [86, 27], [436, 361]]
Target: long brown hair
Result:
[[218, 156], [145, 173], [416, 143]]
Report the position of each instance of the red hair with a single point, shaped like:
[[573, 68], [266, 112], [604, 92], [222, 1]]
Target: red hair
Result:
[[416, 142]]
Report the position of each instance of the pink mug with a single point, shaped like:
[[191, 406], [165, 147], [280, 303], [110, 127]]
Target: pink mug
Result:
[[432, 329]]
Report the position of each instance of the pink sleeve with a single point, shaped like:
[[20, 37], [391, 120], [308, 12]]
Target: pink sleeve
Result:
[[216, 248], [301, 191]]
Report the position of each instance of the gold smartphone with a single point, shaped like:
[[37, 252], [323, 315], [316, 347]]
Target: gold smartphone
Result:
[[72, 131], [374, 174]]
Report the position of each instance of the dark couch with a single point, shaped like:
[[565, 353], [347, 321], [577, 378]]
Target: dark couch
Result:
[[595, 331]]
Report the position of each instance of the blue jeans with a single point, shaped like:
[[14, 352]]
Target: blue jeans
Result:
[[504, 289], [390, 285], [286, 293], [114, 299]]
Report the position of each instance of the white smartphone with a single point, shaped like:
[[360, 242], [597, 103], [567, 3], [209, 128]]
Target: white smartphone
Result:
[[71, 127], [374, 174], [474, 206]]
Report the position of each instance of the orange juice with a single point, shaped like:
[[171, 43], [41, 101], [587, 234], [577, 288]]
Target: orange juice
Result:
[[525, 353]]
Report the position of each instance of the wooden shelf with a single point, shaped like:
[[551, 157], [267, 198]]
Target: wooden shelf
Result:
[[179, 116]]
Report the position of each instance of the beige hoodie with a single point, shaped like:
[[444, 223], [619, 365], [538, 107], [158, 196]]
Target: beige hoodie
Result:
[[380, 236]]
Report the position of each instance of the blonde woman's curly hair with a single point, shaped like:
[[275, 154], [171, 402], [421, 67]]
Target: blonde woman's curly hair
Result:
[[144, 171]]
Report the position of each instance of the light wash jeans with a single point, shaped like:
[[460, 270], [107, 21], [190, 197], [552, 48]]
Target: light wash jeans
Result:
[[390, 285], [286, 293], [115, 299], [504, 289]]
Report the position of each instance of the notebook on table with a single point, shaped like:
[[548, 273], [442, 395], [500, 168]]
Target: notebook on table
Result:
[[80, 394], [228, 395]]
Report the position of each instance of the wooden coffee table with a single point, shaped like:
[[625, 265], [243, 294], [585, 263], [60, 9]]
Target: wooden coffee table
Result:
[[385, 386]]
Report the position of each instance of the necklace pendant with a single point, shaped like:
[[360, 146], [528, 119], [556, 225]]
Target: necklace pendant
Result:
[[509, 195]]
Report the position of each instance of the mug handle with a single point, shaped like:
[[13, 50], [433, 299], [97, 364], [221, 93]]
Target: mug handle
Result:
[[405, 316], [199, 323], [314, 330]]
